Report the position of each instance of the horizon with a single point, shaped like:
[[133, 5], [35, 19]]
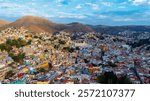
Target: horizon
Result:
[[11, 21], [104, 12]]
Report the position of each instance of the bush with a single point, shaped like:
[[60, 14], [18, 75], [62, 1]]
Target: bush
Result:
[[77, 48], [111, 64], [41, 70], [9, 43], [5, 47], [9, 74], [17, 42], [107, 78], [62, 42], [17, 58], [111, 78], [69, 49], [124, 80]]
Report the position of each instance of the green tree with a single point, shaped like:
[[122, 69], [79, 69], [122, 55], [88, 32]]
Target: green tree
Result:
[[17, 58], [111, 78], [9, 74], [69, 49]]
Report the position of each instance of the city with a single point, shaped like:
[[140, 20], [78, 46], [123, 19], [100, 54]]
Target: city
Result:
[[28, 57], [75, 42]]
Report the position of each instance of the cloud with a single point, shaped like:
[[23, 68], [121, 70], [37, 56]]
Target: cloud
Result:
[[123, 12], [102, 16], [121, 7], [123, 19], [140, 2], [78, 7], [93, 6], [107, 4], [90, 11], [70, 15], [9, 5]]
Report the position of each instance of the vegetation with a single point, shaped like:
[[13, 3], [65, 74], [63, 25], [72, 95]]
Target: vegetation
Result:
[[111, 78], [111, 64], [69, 49], [140, 43], [56, 46], [5, 47], [62, 42], [124, 80], [36, 37], [15, 42], [9, 74], [17, 58], [8, 46], [41, 70], [77, 48]]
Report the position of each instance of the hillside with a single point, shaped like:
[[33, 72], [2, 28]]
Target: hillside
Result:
[[78, 27], [38, 24], [3, 22], [114, 30], [35, 24]]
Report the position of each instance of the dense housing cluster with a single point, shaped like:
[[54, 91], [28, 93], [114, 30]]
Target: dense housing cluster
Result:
[[77, 58]]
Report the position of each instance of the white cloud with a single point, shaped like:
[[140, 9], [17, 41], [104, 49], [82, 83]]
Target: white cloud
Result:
[[140, 2], [102, 16], [121, 7], [10, 5], [78, 7], [70, 15], [107, 4], [58, 1], [123, 19], [94, 6], [15, 10]]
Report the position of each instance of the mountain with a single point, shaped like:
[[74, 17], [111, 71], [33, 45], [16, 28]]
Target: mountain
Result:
[[35, 24], [34, 28], [77, 27], [115, 30], [3, 22], [38, 24]]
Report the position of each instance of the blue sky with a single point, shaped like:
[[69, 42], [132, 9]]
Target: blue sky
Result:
[[96, 12]]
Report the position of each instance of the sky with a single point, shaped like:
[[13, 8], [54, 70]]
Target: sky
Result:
[[95, 12]]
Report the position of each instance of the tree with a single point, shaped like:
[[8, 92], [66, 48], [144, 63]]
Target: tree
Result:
[[41, 70], [77, 48], [5, 47], [69, 49], [18, 42], [62, 42], [9, 74], [107, 78], [124, 80], [17, 58], [111, 64], [111, 78]]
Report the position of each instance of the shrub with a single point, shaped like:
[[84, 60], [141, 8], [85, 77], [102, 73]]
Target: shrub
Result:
[[9, 74], [17, 58]]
